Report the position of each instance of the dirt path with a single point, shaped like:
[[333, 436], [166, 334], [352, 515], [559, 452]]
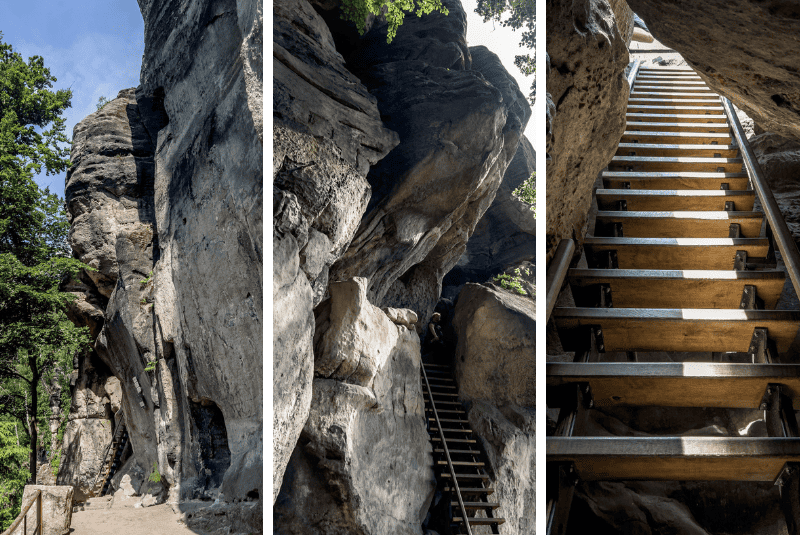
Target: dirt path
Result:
[[156, 520]]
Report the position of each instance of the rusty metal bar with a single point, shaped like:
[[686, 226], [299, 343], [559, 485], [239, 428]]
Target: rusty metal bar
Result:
[[781, 234], [446, 452], [22, 518], [558, 272]]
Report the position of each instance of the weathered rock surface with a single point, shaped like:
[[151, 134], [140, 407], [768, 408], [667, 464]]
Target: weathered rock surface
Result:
[[505, 235], [507, 434], [586, 84], [56, 508], [744, 49], [363, 462], [459, 116], [319, 195], [496, 352], [164, 195], [779, 158]]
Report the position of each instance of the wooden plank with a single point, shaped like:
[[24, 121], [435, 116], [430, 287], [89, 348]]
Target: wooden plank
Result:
[[668, 77], [675, 118], [674, 180], [673, 88], [666, 329], [661, 200], [649, 101], [682, 224], [636, 93], [687, 110], [677, 127], [666, 69], [677, 384], [675, 458], [662, 288], [678, 253], [662, 81], [675, 163], [664, 149], [720, 138]]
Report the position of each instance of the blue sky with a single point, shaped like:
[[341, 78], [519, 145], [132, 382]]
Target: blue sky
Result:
[[93, 47]]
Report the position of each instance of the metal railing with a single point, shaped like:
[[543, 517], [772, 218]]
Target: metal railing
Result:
[[780, 231], [22, 518], [447, 453]]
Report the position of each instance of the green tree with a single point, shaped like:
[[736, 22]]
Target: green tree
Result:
[[357, 11], [13, 469], [101, 103], [515, 14], [34, 252], [526, 192]]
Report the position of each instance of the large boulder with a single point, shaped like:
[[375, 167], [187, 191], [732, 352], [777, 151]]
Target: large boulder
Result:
[[363, 462], [56, 508], [505, 235], [743, 49], [496, 352], [587, 98], [459, 116], [327, 132]]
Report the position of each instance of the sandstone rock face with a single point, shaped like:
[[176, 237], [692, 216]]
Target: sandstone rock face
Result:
[[56, 508], [319, 195], [587, 86], [779, 158], [742, 50], [459, 116], [507, 434], [496, 352], [505, 235], [165, 197], [363, 462]]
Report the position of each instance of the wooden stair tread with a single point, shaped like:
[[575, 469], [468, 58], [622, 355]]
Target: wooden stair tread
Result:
[[458, 452], [466, 476], [478, 505], [661, 329], [659, 101], [480, 521], [677, 127], [673, 88], [676, 117], [472, 490], [682, 224], [455, 440], [675, 163], [678, 253], [463, 463], [641, 92], [675, 458], [682, 150], [634, 288], [677, 384], [694, 138], [450, 430], [687, 200], [700, 111]]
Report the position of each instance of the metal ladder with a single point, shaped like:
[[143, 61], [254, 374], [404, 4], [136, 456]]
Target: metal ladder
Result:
[[458, 463], [112, 457], [679, 263]]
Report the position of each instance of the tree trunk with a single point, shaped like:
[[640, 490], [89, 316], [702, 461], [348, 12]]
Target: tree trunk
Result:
[[34, 411]]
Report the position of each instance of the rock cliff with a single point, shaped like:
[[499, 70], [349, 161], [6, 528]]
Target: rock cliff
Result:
[[164, 197], [386, 158]]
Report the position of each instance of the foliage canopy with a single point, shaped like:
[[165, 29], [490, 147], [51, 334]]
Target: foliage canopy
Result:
[[357, 11]]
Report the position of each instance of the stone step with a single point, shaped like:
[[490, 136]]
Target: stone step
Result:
[[683, 330], [676, 384]]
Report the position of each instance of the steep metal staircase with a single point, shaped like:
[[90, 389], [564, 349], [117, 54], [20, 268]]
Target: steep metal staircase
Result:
[[680, 262], [458, 463], [112, 458]]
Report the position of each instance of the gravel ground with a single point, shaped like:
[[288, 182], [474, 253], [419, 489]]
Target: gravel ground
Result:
[[156, 520]]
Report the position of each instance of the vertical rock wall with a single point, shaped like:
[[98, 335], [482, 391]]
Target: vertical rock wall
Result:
[[165, 201]]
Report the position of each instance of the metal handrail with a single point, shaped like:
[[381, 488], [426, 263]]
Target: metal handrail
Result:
[[557, 272], [780, 231], [446, 451], [22, 518], [633, 73]]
